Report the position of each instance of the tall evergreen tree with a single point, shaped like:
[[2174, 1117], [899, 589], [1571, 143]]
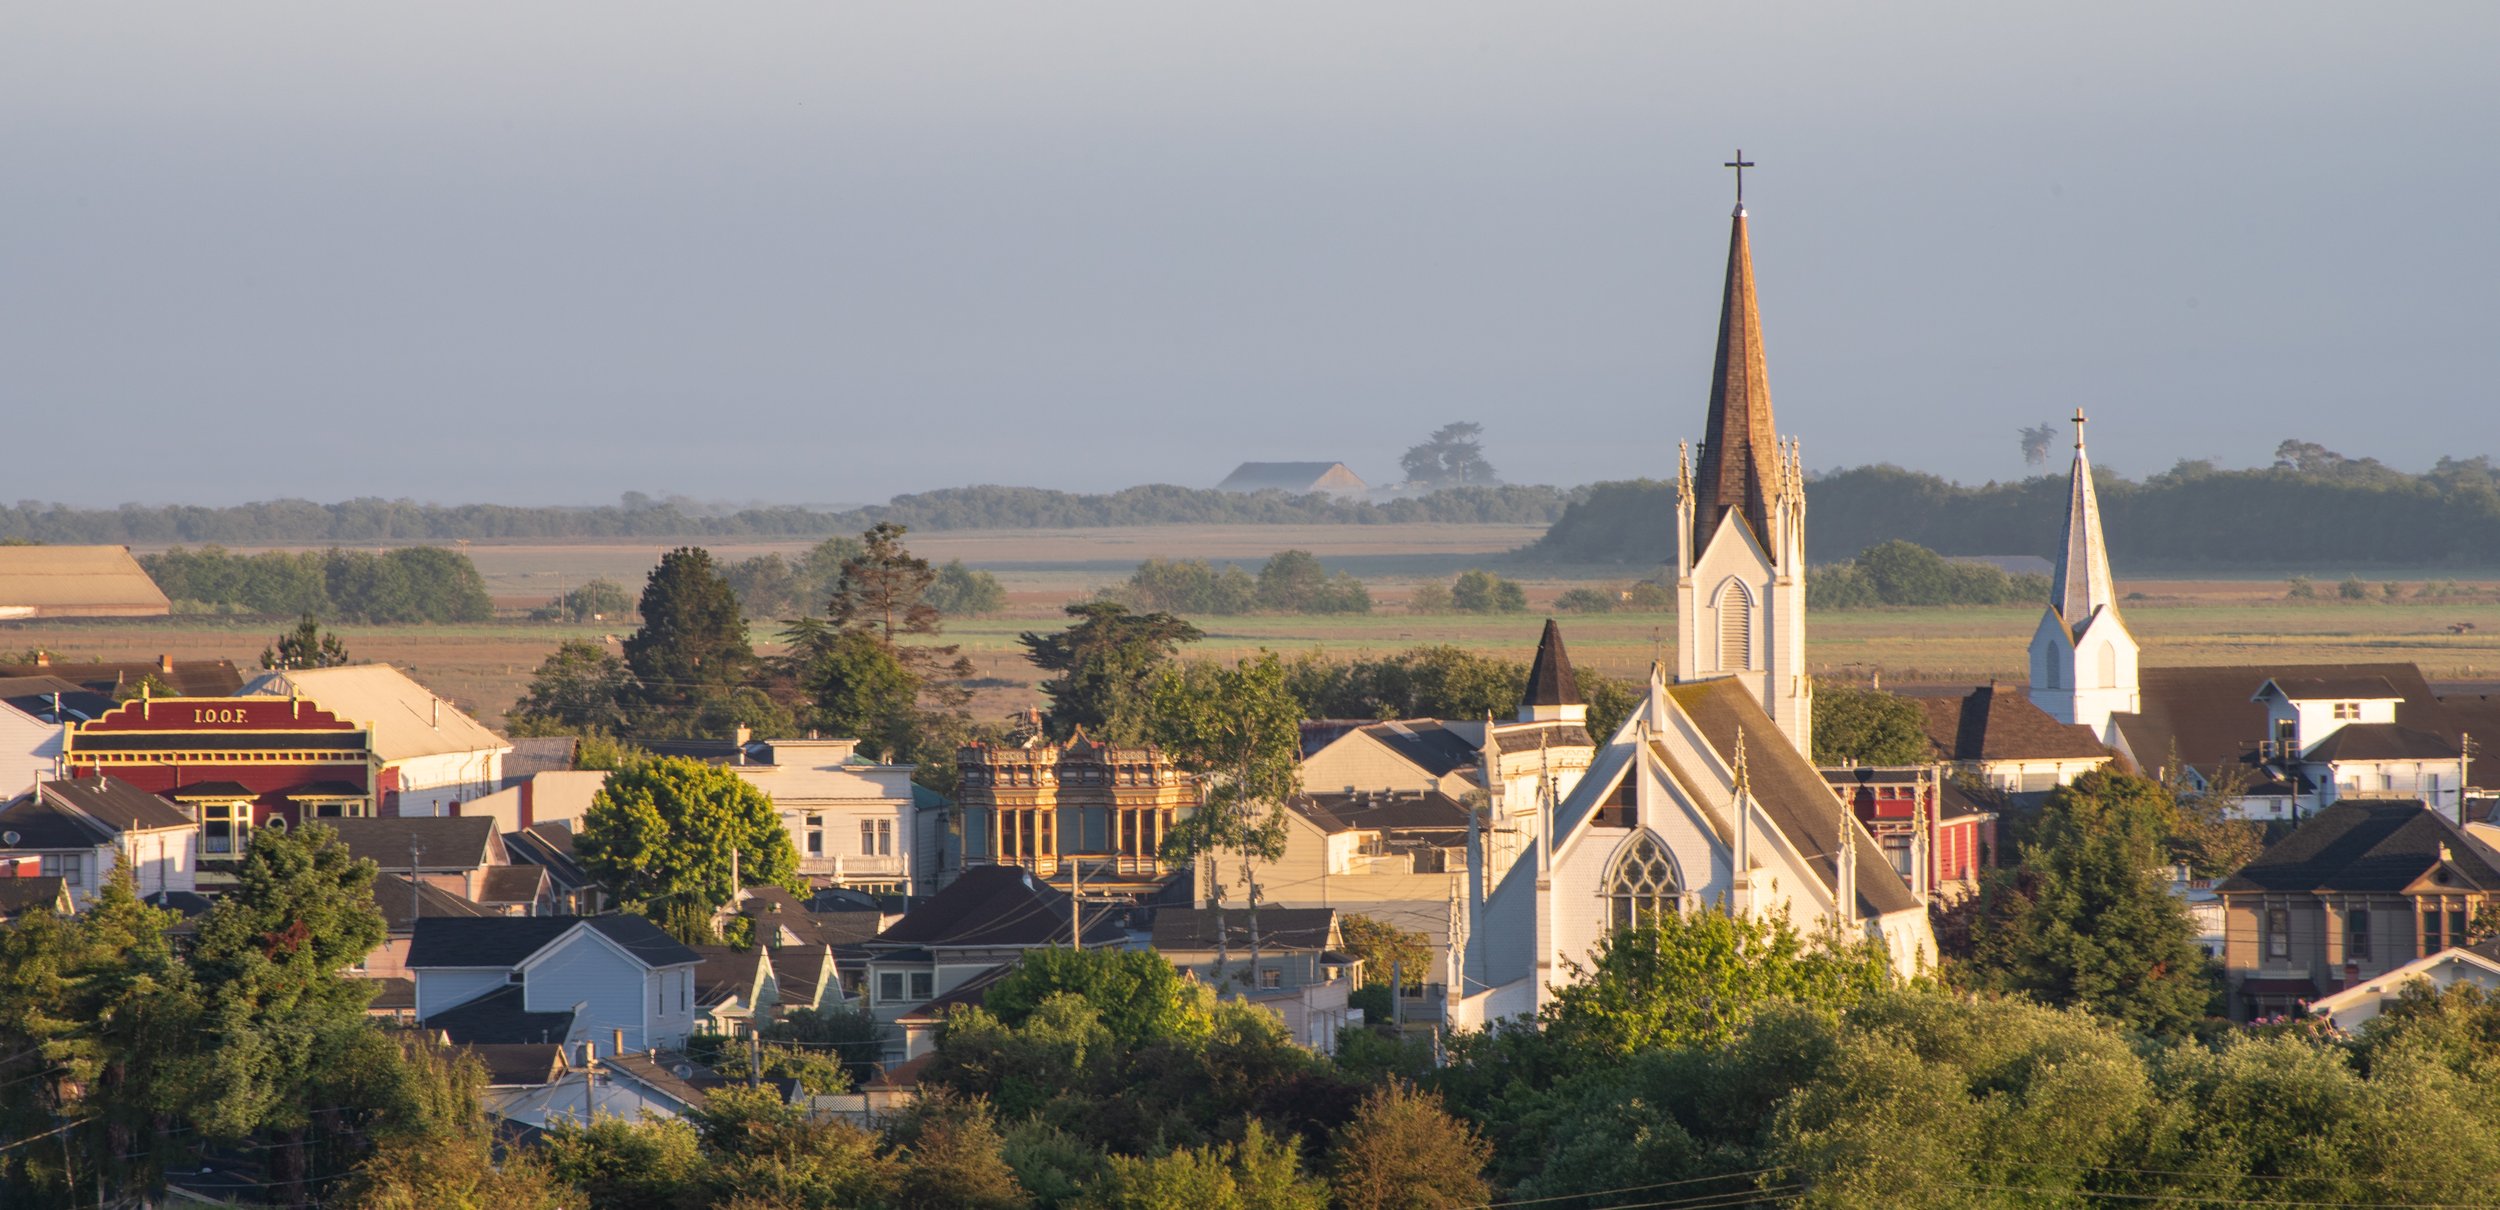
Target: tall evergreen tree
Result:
[[693, 641], [1106, 660], [307, 646]]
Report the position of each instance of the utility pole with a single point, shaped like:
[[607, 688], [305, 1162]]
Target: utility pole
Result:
[[1076, 922], [1397, 993], [416, 902]]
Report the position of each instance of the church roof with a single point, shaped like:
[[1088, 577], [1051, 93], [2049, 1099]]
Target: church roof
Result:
[[1740, 454], [1550, 682], [2081, 586]]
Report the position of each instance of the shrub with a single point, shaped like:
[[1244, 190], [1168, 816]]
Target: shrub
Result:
[[1585, 600], [1479, 591]]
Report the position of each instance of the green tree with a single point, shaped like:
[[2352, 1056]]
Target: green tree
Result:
[[1138, 997], [1238, 732], [653, 1164], [675, 839], [883, 593], [1429, 598], [767, 587], [600, 600], [1452, 457], [1189, 586], [1585, 600], [856, 685], [693, 641], [1853, 725], [961, 592], [1106, 662], [1383, 946], [852, 1035], [952, 1160], [580, 689], [1403, 1151], [1689, 978], [1293, 581], [2085, 917], [1261, 1172], [1479, 591], [307, 646]]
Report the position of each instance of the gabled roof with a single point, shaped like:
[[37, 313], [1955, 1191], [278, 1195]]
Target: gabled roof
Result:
[[18, 896], [116, 804], [408, 719], [1296, 477], [504, 942], [401, 906], [513, 885], [660, 1073], [440, 842], [35, 822], [2372, 845], [1386, 812], [189, 678], [801, 966], [1186, 929], [520, 1064], [995, 906], [1790, 791], [500, 1016], [34, 696], [78, 581], [1550, 681], [2328, 686], [1425, 743], [2380, 741], [1997, 722], [2213, 718], [726, 974], [550, 846]]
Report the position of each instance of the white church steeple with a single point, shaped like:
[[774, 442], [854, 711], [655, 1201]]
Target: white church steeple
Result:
[[1740, 546], [2083, 661]]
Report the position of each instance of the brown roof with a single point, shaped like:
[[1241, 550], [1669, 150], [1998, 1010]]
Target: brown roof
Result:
[[49, 893], [1740, 458], [2210, 715], [994, 905], [1790, 790], [188, 678], [519, 1064], [1550, 682], [2001, 722], [400, 911], [2375, 845], [1384, 811], [1182, 928], [510, 884], [2381, 741], [801, 965]]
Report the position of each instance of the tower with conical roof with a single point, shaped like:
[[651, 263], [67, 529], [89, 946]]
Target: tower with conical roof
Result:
[[1740, 588], [2083, 661], [1536, 758]]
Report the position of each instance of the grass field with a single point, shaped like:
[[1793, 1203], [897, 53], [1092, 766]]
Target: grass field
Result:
[[485, 667]]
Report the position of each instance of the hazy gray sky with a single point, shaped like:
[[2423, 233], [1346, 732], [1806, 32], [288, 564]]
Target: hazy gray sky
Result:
[[548, 252]]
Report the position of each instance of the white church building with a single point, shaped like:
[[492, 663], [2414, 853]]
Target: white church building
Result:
[[1705, 799]]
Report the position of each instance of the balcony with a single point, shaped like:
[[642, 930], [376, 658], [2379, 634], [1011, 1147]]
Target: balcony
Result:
[[851, 868]]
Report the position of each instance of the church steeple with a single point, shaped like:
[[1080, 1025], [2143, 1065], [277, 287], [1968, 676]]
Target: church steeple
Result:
[[1553, 692], [2083, 661], [2082, 585], [1740, 605], [1740, 455]]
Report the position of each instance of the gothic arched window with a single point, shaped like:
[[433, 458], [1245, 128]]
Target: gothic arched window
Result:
[[1643, 886], [1735, 627]]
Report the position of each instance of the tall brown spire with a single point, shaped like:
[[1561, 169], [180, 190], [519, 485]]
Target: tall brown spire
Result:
[[1740, 455]]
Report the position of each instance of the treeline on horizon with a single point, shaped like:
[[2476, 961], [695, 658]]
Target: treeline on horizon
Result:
[[982, 507], [2324, 511]]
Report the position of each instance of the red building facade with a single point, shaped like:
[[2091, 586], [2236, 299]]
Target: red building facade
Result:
[[234, 763], [1911, 811]]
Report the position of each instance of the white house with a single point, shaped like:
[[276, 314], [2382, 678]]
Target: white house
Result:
[[501, 979], [2477, 965], [433, 757], [80, 829], [853, 822]]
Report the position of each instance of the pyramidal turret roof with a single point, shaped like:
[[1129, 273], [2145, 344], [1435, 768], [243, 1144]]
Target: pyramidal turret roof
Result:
[[2082, 584], [1550, 682], [1740, 451]]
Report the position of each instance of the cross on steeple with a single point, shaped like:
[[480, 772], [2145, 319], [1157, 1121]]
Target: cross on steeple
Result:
[[2078, 428], [1740, 164]]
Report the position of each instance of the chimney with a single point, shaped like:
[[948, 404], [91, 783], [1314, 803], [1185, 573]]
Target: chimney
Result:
[[745, 734], [619, 1049], [165, 664]]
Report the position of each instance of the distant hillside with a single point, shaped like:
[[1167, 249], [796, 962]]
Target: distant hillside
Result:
[[2341, 515], [293, 521]]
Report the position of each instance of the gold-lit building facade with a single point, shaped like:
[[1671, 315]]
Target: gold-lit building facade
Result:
[[1043, 806]]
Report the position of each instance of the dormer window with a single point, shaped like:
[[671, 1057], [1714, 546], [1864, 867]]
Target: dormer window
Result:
[[2347, 709]]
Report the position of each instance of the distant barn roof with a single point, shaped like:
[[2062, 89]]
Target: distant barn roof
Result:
[[76, 582], [1298, 478]]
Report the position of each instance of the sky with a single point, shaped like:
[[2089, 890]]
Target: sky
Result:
[[825, 252]]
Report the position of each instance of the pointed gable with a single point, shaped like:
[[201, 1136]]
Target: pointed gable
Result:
[[1740, 454]]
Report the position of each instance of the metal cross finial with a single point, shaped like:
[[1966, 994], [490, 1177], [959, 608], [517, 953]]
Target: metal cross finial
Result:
[[2078, 428], [1740, 164]]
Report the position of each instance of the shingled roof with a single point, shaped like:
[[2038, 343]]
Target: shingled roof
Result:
[[2210, 715], [116, 804], [1189, 929], [187, 678], [2368, 845], [1550, 681], [507, 941], [441, 842], [994, 906], [2001, 722]]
